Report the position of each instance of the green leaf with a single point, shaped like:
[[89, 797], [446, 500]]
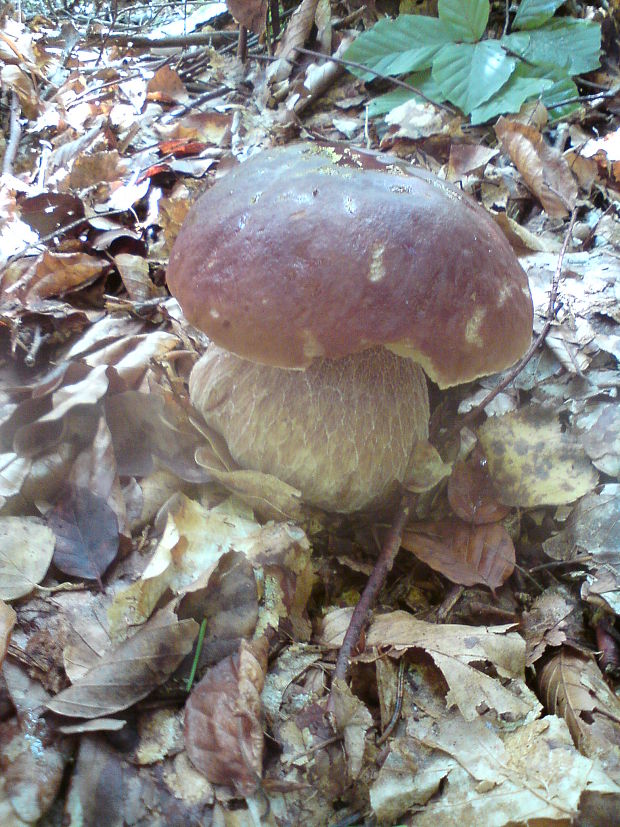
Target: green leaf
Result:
[[469, 74], [466, 19], [577, 40], [394, 47], [421, 80], [533, 13], [510, 97], [562, 90]]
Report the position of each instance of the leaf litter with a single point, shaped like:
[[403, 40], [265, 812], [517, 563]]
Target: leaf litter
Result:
[[126, 531]]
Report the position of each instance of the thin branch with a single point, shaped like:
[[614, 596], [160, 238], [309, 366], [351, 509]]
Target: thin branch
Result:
[[374, 584], [516, 370], [14, 135]]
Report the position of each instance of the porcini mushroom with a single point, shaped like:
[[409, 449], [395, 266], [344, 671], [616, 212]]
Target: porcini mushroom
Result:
[[327, 278]]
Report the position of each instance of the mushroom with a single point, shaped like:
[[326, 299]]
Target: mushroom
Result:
[[329, 280]]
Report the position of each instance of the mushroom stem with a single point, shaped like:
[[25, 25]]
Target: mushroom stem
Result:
[[375, 583]]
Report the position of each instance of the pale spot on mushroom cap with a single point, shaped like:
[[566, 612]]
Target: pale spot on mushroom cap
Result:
[[311, 346], [214, 313], [376, 271], [472, 329]]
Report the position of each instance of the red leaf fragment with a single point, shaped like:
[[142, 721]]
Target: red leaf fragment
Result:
[[223, 725], [86, 532]]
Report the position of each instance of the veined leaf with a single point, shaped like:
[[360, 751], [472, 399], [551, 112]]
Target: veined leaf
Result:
[[469, 74], [577, 40], [466, 19], [525, 83], [421, 80], [531, 14], [394, 47]]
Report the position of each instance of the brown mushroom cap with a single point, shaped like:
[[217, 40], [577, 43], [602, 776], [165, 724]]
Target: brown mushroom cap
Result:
[[343, 431], [313, 250]]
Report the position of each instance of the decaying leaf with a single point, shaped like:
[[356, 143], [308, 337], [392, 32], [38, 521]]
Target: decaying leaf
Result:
[[544, 170], [353, 720], [453, 648], [249, 13], [465, 554], [602, 441], [471, 493], [26, 549], [129, 671], [531, 774], [32, 770], [593, 529], [86, 531], [7, 622], [532, 462], [546, 623], [223, 726], [572, 687]]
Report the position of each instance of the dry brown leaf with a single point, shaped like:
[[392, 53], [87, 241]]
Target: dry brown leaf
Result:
[[55, 274], [223, 722], [465, 554], [453, 648], [134, 271], [14, 78], [546, 623], [26, 549], [353, 720], [471, 492], [543, 168], [129, 671], [572, 687], [249, 13], [7, 621], [466, 158], [166, 86]]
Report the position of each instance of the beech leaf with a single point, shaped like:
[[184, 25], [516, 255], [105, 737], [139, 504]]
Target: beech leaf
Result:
[[26, 549], [223, 725], [465, 554], [86, 532], [130, 670]]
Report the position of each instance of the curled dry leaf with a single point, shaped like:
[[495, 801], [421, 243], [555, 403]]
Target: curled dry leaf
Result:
[[465, 554], [532, 462], [129, 671], [223, 723], [26, 549], [545, 171], [471, 492], [543, 168], [572, 687]]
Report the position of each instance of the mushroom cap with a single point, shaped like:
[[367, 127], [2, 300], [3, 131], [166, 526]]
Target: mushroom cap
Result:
[[342, 431], [314, 250]]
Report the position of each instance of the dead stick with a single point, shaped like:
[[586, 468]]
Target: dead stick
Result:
[[475, 412], [14, 135], [375, 582]]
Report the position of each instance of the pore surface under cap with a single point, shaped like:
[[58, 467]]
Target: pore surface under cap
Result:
[[321, 251]]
